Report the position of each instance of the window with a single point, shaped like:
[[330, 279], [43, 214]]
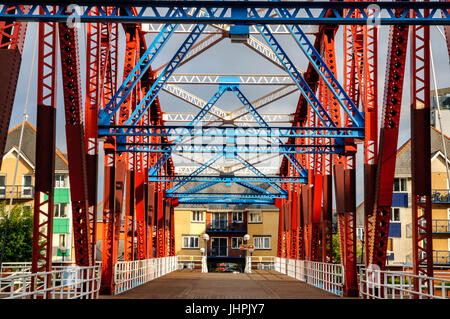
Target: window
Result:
[[190, 241], [60, 181], [198, 217], [400, 185], [261, 242], [360, 234], [27, 185], [2, 185], [255, 217], [236, 242], [60, 210], [238, 217], [395, 216]]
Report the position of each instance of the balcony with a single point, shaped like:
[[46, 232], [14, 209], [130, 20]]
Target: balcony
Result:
[[225, 226], [225, 251], [440, 196], [19, 192], [440, 257], [439, 226]]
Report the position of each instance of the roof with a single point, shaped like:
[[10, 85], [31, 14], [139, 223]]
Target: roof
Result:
[[403, 162], [29, 145]]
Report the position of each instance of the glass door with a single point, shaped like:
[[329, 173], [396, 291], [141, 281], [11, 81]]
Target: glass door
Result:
[[219, 221], [219, 246]]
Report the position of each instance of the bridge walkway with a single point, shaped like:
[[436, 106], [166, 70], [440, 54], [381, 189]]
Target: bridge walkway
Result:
[[192, 284]]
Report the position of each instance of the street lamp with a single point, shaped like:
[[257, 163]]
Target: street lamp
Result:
[[246, 239], [251, 255], [63, 251], [205, 250]]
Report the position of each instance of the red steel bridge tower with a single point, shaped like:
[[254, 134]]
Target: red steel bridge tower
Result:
[[318, 147]]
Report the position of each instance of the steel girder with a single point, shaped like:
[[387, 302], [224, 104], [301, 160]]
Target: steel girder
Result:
[[228, 179], [231, 12]]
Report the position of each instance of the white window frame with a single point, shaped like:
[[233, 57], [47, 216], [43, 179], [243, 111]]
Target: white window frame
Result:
[[3, 187], [250, 221], [28, 187], [400, 185], [239, 214], [262, 239], [392, 215], [58, 183], [202, 220], [59, 205], [189, 241], [240, 241]]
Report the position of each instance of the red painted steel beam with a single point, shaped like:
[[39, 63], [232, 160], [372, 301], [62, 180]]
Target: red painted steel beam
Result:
[[12, 37], [420, 154], [378, 237], [68, 41], [45, 160], [109, 245]]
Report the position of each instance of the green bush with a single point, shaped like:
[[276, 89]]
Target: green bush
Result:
[[19, 235]]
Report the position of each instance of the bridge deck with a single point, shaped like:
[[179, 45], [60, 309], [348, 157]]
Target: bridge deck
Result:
[[188, 284]]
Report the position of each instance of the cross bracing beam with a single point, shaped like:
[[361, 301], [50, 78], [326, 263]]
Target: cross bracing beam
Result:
[[136, 74], [193, 99], [233, 131], [229, 12], [229, 179], [283, 149], [221, 201], [244, 79], [244, 119], [199, 188], [183, 170], [187, 28], [226, 196]]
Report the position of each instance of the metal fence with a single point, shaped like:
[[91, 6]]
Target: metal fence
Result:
[[329, 277], [130, 274], [72, 282], [379, 284]]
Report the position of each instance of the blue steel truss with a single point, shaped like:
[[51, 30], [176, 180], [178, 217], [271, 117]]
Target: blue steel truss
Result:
[[233, 131], [282, 149], [228, 179], [230, 12], [226, 196], [136, 74], [224, 201]]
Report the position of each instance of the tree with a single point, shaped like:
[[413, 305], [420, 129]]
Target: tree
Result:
[[19, 235], [337, 249]]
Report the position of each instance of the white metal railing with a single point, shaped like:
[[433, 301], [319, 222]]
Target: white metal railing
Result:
[[263, 262], [381, 284], [73, 282], [130, 274], [188, 261], [329, 277]]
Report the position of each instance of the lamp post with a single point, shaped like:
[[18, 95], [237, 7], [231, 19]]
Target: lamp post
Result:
[[246, 239], [63, 251], [251, 256], [205, 251]]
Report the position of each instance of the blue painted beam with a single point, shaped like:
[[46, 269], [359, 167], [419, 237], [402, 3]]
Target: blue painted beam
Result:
[[232, 131], [167, 149], [223, 12], [228, 179], [226, 196]]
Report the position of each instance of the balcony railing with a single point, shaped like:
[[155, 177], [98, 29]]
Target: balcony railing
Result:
[[225, 226], [439, 226], [440, 196], [440, 257], [17, 192], [225, 251]]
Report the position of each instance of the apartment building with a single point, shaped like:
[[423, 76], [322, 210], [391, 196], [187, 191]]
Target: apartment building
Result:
[[22, 191], [226, 228], [399, 251]]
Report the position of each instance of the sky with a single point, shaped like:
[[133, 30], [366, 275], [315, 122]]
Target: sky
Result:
[[228, 58]]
